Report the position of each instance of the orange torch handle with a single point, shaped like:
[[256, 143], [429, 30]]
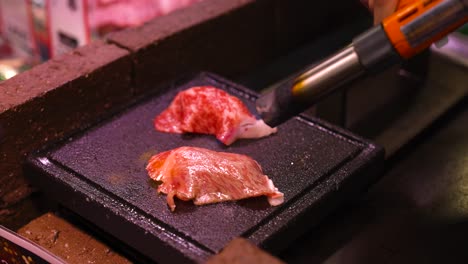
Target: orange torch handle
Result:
[[418, 23]]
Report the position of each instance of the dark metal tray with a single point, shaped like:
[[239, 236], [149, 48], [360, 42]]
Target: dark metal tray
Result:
[[100, 175]]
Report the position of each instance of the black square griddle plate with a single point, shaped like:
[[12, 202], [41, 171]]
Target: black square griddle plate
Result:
[[100, 174]]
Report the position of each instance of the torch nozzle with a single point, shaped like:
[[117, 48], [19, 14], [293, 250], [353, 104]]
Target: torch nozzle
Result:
[[296, 95]]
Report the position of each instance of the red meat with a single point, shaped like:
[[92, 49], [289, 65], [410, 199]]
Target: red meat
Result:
[[208, 110]]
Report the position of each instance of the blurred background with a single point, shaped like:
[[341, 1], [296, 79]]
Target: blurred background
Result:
[[33, 31], [417, 111]]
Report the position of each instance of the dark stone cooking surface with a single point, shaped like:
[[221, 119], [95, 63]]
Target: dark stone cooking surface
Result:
[[110, 159]]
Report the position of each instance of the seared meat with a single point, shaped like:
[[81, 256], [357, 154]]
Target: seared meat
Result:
[[208, 176]]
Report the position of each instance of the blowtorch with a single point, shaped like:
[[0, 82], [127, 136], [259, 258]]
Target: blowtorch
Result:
[[411, 29]]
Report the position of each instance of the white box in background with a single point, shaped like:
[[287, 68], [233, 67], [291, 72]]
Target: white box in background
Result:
[[68, 25]]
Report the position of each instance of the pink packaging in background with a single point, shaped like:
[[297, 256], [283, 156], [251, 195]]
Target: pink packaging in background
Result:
[[17, 31], [5, 50], [126, 13]]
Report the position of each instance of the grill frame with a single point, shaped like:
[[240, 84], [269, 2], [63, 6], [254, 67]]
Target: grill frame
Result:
[[56, 174]]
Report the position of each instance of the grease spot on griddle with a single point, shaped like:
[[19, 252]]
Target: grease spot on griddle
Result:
[[145, 156], [154, 184], [116, 178]]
